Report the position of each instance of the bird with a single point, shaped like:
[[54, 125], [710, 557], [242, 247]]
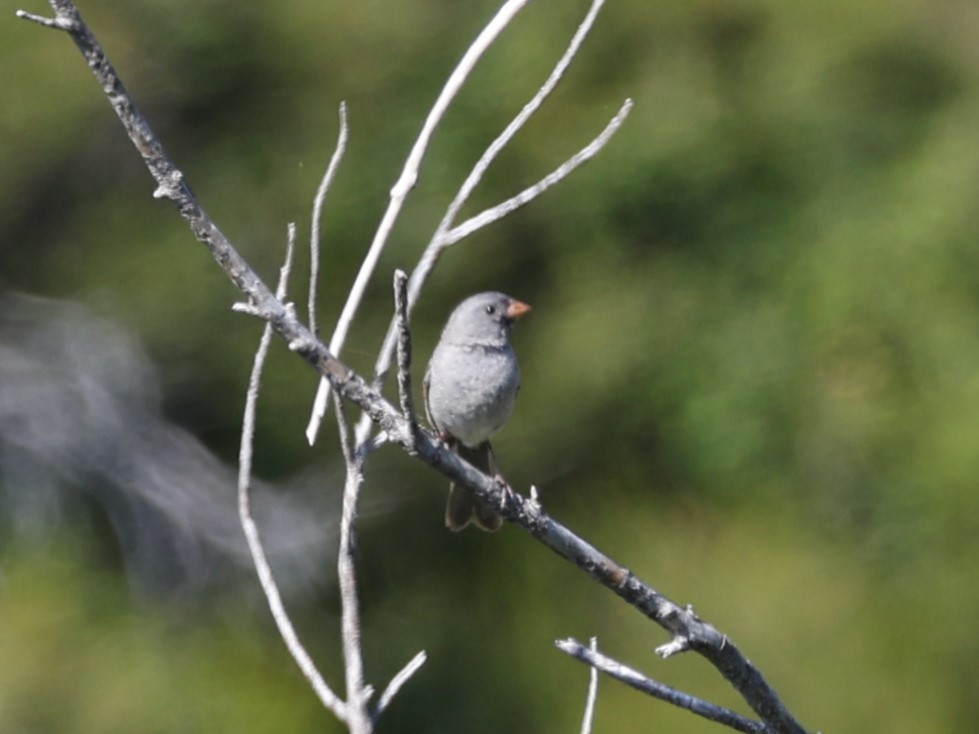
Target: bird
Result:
[[470, 388]]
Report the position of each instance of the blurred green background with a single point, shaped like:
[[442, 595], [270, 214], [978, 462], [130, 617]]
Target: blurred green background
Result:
[[751, 373]]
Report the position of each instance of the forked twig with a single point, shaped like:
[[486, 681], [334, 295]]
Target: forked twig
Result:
[[488, 216], [637, 680], [494, 149]]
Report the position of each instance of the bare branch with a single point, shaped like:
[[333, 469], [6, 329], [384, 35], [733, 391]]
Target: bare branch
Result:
[[527, 514], [397, 681], [267, 580], [532, 192], [404, 350], [589, 717], [321, 192], [403, 186], [637, 680], [358, 717]]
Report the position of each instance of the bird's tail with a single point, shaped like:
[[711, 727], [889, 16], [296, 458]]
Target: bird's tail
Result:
[[463, 507]]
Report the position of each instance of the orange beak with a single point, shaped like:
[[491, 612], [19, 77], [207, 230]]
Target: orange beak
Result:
[[516, 309]]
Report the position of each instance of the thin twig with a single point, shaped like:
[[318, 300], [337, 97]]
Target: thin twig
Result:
[[703, 638], [267, 580], [404, 350], [446, 234], [532, 192], [358, 718], [402, 677], [588, 720], [402, 187], [314, 238], [637, 680], [59, 22]]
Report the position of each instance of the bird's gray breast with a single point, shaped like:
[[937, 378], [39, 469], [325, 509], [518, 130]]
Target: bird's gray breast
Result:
[[472, 389]]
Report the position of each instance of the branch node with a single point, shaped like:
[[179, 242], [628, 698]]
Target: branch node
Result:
[[534, 512], [169, 188], [506, 492], [247, 308], [301, 343]]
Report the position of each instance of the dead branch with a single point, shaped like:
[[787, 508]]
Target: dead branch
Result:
[[688, 631]]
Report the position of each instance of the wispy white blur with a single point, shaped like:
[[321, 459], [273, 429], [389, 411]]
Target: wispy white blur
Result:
[[80, 420]]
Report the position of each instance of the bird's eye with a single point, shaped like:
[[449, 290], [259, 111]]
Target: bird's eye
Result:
[[491, 309]]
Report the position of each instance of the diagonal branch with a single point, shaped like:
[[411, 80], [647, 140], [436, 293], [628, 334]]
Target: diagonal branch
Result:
[[682, 623], [402, 677]]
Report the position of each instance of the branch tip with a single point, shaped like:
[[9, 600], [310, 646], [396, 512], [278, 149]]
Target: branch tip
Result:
[[301, 344], [675, 646], [59, 22], [400, 678], [246, 308]]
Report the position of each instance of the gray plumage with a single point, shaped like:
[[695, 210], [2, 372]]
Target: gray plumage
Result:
[[471, 385]]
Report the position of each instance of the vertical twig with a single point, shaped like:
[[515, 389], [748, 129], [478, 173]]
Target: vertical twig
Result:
[[587, 721], [402, 187], [404, 352], [318, 202], [358, 718]]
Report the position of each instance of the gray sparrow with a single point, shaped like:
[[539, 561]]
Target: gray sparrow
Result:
[[471, 385]]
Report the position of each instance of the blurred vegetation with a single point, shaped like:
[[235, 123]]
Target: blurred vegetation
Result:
[[751, 374]]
